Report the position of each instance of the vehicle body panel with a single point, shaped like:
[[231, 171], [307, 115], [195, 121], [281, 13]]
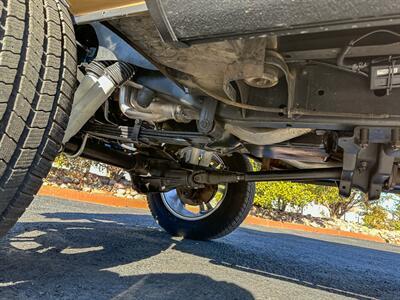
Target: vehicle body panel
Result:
[[79, 7]]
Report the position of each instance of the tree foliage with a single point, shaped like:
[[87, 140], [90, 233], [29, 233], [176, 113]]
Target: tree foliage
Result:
[[338, 206], [281, 195]]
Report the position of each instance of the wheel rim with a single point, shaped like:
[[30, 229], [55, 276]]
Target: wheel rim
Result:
[[174, 203]]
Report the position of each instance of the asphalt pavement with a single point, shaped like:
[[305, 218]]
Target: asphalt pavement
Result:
[[70, 250]]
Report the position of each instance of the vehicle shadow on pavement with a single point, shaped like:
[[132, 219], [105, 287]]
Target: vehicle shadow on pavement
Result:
[[342, 269], [79, 255], [86, 256]]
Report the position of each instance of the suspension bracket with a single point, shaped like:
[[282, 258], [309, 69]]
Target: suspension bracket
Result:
[[368, 159]]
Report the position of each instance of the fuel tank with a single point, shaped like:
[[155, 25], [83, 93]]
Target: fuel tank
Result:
[[187, 22]]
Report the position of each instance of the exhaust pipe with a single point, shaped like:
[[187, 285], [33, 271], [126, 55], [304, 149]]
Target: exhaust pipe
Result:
[[156, 111], [99, 83]]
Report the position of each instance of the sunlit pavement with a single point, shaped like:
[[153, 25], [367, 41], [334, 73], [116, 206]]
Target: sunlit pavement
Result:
[[71, 250]]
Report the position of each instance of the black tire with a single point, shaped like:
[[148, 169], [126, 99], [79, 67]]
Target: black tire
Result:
[[226, 218], [37, 80]]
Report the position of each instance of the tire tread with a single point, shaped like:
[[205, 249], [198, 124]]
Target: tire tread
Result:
[[222, 222], [37, 80]]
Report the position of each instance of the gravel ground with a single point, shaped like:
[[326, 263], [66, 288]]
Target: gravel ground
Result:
[[70, 250]]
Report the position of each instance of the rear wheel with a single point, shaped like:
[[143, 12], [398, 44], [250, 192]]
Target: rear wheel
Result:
[[207, 213], [37, 80]]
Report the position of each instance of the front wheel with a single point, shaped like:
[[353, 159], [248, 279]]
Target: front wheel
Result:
[[207, 213], [37, 80]]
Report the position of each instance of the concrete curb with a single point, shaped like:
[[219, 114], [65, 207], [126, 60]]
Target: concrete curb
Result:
[[111, 200]]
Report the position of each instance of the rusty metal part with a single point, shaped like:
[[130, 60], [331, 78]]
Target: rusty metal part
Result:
[[270, 77]]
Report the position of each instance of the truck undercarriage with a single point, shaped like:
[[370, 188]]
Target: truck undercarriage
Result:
[[181, 93], [313, 102]]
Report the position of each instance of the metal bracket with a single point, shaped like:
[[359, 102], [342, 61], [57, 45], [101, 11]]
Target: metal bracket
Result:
[[113, 47], [207, 115], [196, 156], [136, 130], [350, 157], [367, 164]]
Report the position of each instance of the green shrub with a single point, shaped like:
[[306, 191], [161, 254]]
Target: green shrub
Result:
[[395, 224], [279, 195], [376, 217]]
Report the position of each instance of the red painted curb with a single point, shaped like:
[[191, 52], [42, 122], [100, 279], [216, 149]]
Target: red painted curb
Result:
[[104, 199], [251, 220], [111, 200]]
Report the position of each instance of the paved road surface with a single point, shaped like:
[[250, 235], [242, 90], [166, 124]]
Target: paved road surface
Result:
[[71, 250]]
